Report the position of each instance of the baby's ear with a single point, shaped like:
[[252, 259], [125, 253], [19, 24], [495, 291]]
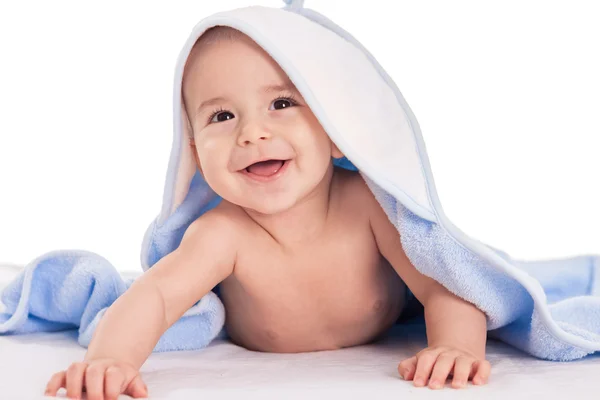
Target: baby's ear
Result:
[[335, 152], [195, 153]]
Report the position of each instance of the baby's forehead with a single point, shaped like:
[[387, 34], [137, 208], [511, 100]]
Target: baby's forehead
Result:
[[217, 55], [215, 36]]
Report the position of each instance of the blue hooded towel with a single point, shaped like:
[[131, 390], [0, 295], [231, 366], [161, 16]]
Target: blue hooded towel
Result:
[[549, 309]]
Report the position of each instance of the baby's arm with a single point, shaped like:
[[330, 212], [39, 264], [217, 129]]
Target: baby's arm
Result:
[[131, 327], [456, 329]]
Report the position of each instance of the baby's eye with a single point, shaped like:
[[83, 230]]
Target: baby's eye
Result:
[[221, 116], [282, 103]]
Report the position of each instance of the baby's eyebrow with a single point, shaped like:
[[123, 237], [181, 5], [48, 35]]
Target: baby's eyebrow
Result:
[[288, 85], [214, 100]]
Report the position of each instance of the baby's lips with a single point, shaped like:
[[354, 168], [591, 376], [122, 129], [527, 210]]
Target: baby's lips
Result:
[[265, 168]]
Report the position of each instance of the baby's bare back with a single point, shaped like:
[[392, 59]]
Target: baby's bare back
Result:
[[337, 291]]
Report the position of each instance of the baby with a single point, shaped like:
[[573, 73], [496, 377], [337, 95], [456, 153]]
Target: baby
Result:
[[305, 256]]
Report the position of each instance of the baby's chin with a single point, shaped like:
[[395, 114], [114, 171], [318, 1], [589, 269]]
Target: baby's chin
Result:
[[265, 206], [268, 209]]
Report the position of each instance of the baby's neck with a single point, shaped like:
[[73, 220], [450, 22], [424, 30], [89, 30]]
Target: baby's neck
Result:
[[305, 222]]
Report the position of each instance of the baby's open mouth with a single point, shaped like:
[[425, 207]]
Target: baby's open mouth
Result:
[[266, 168]]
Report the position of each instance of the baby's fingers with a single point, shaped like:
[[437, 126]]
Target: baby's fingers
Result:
[[113, 383], [483, 369], [57, 381], [75, 378], [425, 362], [94, 381], [462, 372], [137, 388], [441, 370], [407, 368]]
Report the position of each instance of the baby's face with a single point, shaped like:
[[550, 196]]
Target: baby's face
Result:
[[243, 109]]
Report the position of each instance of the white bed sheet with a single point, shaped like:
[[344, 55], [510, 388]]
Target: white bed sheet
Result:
[[229, 371]]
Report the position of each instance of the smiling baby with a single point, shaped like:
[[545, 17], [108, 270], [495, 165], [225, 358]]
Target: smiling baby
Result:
[[304, 255]]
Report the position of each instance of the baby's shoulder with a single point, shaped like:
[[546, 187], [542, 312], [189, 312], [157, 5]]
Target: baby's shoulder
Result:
[[223, 220]]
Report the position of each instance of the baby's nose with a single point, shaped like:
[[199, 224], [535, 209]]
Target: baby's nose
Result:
[[246, 141], [252, 134]]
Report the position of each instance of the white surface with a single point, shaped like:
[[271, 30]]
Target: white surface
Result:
[[506, 94], [229, 371]]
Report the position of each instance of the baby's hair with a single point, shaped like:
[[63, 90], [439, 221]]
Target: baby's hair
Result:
[[217, 34], [213, 35]]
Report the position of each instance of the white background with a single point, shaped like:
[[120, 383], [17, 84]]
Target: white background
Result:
[[506, 94]]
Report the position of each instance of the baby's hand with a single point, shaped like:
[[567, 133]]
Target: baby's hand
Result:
[[103, 379], [439, 362]]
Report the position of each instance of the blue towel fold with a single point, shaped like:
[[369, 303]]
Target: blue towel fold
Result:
[[567, 291], [549, 309], [72, 289]]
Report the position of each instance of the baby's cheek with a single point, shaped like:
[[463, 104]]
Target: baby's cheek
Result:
[[314, 148], [208, 145], [214, 176]]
